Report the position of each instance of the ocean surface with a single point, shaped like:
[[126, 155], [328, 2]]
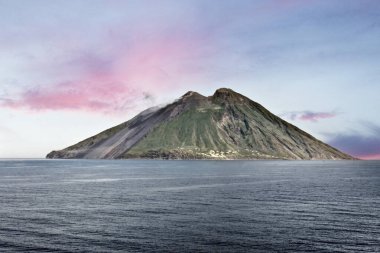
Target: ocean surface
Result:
[[189, 206]]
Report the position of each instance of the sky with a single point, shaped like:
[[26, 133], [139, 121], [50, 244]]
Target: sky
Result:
[[70, 69]]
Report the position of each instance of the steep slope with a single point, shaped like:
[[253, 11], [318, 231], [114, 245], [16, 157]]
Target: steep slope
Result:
[[226, 125], [113, 142]]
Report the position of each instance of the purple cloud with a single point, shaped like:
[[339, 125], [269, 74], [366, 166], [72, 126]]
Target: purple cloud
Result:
[[358, 144], [310, 115]]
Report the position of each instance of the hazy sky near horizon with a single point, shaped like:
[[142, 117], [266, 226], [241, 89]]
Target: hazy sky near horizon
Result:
[[70, 69]]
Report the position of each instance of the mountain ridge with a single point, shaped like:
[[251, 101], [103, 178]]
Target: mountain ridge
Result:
[[226, 125]]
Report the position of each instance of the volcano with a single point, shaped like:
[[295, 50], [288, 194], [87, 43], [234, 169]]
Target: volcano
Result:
[[226, 125]]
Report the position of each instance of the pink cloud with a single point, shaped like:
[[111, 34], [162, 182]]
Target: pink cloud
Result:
[[82, 96], [310, 116], [369, 157], [113, 78], [315, 116]]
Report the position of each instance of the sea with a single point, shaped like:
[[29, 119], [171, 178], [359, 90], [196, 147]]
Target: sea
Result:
[[189, 206]]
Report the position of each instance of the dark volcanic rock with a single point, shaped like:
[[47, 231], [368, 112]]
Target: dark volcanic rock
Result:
[[226, 125]]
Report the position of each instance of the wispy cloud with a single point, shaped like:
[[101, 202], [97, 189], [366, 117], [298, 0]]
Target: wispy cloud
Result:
[[113, 78], [78, 96], [309, 115]]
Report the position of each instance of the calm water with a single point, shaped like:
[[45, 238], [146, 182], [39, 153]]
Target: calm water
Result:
[[199, 206]]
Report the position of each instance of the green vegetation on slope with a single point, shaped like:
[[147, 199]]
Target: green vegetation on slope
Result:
[[193, 129]]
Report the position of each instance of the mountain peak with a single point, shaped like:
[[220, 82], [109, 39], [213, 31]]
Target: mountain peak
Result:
[[226, 94], [192, 97], [224, 90], [191, 94]]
